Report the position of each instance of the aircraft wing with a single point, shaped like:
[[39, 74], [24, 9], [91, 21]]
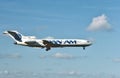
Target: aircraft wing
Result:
[[49, 44], [45, 42]]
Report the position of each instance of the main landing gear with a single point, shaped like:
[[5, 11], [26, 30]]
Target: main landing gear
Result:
[[48, 48], [83, 48]]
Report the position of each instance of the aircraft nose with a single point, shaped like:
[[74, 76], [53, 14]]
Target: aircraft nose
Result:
[[89, 42]]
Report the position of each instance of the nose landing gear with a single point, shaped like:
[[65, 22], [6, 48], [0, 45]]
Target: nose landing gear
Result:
[[83, 48]]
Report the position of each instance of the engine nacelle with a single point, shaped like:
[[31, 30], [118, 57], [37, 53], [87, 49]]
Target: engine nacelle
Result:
[[15, 43], [28, 37], [31, 37]]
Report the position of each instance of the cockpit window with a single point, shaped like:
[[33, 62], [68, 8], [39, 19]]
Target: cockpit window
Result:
[[88, 41]]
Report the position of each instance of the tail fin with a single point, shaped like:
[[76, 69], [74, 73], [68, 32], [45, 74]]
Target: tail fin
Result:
[[15, 35]]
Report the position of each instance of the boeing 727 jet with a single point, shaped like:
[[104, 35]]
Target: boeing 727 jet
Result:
[[31, 41]]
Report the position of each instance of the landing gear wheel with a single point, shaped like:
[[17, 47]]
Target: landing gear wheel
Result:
[[83, 48], [48, 48]]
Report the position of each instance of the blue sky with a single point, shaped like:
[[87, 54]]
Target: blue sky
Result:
[[93, 19]]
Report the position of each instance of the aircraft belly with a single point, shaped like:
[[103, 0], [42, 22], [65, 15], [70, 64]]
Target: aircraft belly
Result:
[[70, 45]]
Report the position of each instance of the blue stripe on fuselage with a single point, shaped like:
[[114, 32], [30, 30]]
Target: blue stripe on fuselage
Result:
[[63, 41]]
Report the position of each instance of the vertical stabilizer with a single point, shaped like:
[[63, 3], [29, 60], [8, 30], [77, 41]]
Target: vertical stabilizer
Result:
[[14, 35]]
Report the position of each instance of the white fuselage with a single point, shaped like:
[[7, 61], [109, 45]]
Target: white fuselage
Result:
[[60, 42], [31, 41]]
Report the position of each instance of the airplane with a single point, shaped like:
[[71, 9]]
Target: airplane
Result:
[[32, 41]]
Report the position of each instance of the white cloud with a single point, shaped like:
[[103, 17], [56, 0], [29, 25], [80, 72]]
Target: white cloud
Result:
[[57, 74], [116, 60], [70, 73], [62, 56], [99, 23], [10, 56], [59, 55]]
